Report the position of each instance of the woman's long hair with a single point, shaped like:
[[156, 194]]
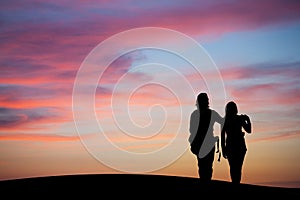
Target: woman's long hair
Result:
[[231, 109]]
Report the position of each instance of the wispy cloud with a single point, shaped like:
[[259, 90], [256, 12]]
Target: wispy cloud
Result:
[[267, 84], [38, 137], [11, 118], [278, 70], [60, 25], [277, 137]]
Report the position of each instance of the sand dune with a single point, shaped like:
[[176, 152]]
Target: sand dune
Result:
[[135, 186]]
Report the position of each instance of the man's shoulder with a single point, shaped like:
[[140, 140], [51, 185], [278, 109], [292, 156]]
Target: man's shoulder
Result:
[[195, 112], [215, 114], [214, 111]]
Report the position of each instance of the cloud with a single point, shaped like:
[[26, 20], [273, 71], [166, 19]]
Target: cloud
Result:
[[38, 137], [120, 67], [27, 118], [18, 92], [39, 50], [43, 45], [30, 71], [288, 70], [63, 29], [18, 96], [234, 15], [267, 84], [282, 136], [268, 94]]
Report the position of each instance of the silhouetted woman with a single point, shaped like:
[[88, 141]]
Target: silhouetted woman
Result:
[[233, 141]]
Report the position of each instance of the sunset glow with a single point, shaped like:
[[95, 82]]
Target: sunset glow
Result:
[[60, 115]]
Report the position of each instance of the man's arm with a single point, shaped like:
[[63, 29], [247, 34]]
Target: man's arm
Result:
[[217, 118], [194, 122]]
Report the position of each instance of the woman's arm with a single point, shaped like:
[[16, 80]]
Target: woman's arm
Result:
[[246, 123], [223, 132]]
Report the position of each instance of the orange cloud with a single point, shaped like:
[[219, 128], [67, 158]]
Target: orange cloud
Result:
[[283, 136], [38, 137]]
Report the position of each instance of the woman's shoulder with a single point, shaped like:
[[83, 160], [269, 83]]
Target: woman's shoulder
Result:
[[242, 117]]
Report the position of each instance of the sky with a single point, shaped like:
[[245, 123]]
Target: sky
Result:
[[98, 87]]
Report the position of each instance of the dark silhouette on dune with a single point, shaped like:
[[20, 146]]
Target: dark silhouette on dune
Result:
[[109, 186], [202, 139], [233, 141]]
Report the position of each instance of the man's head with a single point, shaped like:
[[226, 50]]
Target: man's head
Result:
[[202, 100]]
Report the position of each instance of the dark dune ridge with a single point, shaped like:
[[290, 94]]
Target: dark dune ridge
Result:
[[136, 185]]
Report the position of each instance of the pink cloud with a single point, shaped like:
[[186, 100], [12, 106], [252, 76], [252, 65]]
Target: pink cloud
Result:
[[278, 84], [268, 100], [288, 70], [269, 94], [63, 46], [153, 94], [49, 52], [71, 31], [238, 15], [37, 118], [283, 136], [17, 96]]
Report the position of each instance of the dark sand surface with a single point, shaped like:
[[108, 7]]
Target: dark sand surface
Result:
[[129, 186]]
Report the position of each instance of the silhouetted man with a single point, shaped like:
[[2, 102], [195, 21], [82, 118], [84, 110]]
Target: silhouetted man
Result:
[[202, 138]]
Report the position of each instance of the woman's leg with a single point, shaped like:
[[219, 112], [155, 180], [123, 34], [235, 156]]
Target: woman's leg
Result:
[[236, 163]]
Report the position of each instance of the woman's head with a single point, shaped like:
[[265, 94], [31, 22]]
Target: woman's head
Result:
[[231, 108]]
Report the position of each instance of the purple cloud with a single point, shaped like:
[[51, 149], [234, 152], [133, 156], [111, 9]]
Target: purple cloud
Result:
[[13, 118]]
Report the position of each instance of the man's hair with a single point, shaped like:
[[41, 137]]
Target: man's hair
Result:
[[202, 100]]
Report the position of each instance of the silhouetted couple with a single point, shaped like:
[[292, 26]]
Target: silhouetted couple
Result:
[[203, 141]]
